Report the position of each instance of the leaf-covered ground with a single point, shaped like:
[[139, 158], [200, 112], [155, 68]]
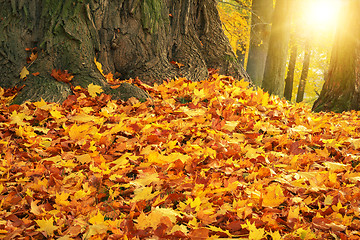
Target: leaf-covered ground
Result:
[[211, 159]]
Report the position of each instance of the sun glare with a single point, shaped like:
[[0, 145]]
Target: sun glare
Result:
[[322, 14]]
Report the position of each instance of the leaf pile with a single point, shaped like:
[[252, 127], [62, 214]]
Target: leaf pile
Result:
[[211, 159]]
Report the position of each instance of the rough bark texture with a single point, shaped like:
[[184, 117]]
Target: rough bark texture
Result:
[[262, 11], [341, 90], [304, 73], [129, 38], [289, 80], [275, 66]]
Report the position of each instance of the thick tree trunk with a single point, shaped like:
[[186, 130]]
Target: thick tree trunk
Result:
[[275, 66], [259, 39], [304, 73], [341, 90], [289, 80], [129, 38]]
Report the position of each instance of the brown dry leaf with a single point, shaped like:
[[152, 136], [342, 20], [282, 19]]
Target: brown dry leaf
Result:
[[62, 76]]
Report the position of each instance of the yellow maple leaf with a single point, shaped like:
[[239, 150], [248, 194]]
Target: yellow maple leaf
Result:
[[94, 90], [294, 212], [61, 199], [55, 159], [85, 158], [97, 229], [80, 194], [156, 217], [17, 118], [24, 72], [255, 233], [97, 219], [40, 104], [199, 95], [275, 235], [252, 152], [273, 196], [335, 167], [146, 179], [79, 132], [195, 203], [230, 125], [56, 114], [144, 194], [193, 112], [46, 226], [99, 67]]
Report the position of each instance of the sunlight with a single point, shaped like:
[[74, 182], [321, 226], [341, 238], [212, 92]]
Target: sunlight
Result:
[[322, 14]]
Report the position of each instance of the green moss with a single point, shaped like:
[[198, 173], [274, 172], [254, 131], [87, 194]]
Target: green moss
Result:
[[152, 15], [230, 58]]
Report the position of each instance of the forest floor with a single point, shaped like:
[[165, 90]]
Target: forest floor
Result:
[[200, 160]]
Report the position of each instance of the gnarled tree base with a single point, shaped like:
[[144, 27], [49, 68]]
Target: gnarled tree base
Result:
[[151, 39]]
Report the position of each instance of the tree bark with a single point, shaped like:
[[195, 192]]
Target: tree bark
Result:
[[304, 73], [259, 39], [129, 38], [289, 80], [275, 67], [341, 90]]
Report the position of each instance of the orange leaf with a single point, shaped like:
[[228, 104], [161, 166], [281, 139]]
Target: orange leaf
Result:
[[179, 65], [115, 86], [274, 196], [61, 76], [32, 57]]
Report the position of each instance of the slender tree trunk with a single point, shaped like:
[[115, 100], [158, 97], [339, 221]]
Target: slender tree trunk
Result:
[[289, 80], [130, 38], [304, 73], [275, 66], [341, 90], [259, 39]]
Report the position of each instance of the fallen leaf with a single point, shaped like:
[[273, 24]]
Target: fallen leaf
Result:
[[94, 90], [46, 226], [24, 72]]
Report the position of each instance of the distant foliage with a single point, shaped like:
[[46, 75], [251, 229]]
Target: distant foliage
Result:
[[236, 19]]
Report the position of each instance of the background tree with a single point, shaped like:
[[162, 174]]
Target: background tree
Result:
[[341, 90], [304, 73], [289, 80], [275, 67], [261, 17], [235, 16], [130, 38]]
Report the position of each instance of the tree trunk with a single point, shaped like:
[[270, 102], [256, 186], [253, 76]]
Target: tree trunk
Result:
[[275, 66], [304, 73], [129, 38], [259, 39], [289, 80], [341, 90]]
